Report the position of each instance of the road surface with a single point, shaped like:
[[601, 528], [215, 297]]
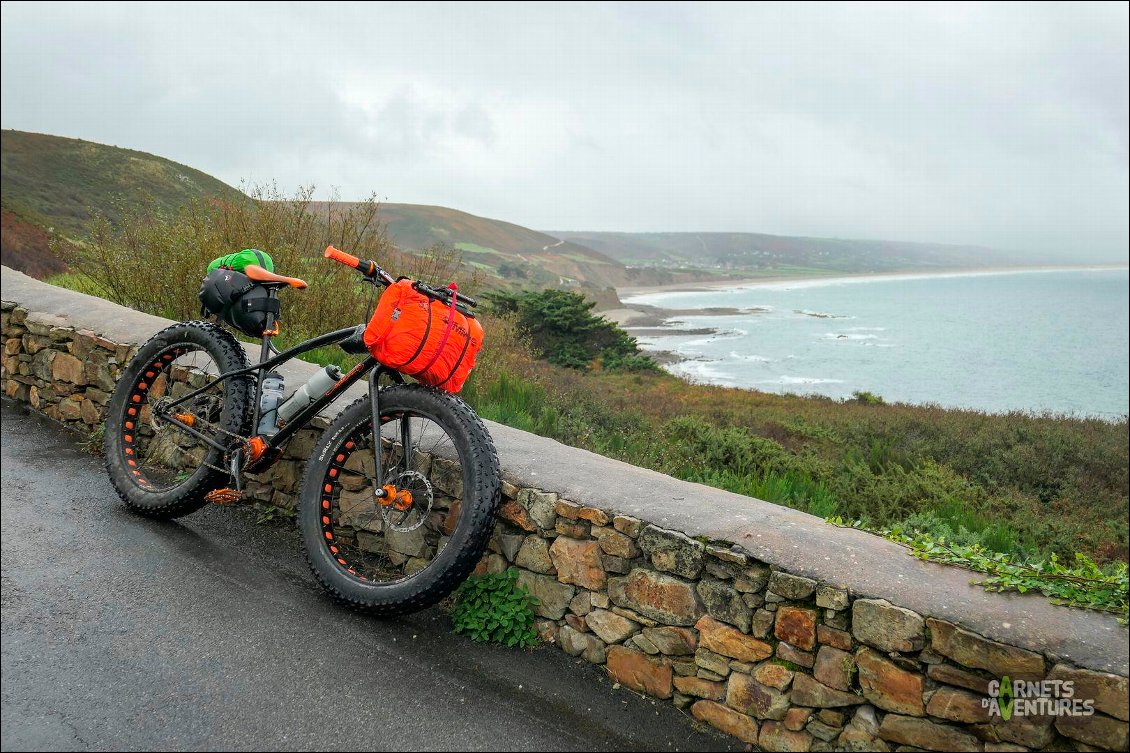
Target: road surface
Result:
[[209, 633]]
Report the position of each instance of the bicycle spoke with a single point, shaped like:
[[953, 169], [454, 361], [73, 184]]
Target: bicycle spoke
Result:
[[369, 536], [163, 454]]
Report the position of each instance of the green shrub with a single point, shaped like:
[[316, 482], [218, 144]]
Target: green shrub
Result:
[[867, 398], [564, 331], [495, 608]]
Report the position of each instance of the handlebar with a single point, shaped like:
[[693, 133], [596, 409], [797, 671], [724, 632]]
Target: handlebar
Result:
[[373, 272], [369, 268], [341, 257]]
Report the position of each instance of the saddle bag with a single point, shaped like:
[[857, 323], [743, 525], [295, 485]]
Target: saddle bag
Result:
[[241, 303]]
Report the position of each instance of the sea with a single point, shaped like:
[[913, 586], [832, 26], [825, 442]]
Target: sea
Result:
[[1034, 340]]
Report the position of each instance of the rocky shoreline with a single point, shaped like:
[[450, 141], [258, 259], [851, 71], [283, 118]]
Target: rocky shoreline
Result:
[[642, 320]]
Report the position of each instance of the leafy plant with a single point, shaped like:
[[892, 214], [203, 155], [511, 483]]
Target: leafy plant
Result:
[[94, 440], [270, 513], [1085, 586], [494, 607]]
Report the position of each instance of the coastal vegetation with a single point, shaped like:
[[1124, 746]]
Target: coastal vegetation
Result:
[[1023, 485], [1010, 496]]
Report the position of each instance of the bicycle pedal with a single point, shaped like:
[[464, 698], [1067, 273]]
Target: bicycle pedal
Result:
[[223, 496]]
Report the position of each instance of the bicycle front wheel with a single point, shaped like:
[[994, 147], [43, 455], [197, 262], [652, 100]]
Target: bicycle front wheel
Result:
[[411, 548]]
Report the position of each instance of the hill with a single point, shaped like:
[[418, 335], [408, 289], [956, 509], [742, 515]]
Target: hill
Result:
[[54, 186], [778, 254], [512, 252]]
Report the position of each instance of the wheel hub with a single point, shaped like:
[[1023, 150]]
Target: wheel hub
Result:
[[407, 501]]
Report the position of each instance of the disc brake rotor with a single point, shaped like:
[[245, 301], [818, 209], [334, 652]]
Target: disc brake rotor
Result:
[[416, 513]]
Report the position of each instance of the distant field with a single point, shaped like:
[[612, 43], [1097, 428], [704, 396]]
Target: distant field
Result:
[[475, 248]]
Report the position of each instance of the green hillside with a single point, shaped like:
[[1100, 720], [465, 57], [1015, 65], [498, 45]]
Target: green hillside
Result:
[[65, 181], [53, 186]]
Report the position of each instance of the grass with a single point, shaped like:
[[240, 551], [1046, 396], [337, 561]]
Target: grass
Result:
[[475, 248], [1024, 485], [59, 180]]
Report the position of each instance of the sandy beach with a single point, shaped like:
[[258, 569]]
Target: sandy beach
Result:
[[696, 287]]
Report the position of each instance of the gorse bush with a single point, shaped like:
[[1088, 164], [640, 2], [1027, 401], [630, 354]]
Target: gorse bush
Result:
[[495, 608]]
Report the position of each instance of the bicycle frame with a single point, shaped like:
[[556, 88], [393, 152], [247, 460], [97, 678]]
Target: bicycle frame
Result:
[[273, 445]]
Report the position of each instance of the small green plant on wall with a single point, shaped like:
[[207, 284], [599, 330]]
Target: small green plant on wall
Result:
[[493, 607]]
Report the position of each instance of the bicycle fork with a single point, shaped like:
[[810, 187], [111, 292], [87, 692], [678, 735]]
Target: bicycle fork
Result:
[[382, 491]]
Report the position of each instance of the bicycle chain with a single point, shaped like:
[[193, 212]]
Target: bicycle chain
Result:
[[219, 429]]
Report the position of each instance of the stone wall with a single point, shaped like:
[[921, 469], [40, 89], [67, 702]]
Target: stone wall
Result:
[[738, 635]]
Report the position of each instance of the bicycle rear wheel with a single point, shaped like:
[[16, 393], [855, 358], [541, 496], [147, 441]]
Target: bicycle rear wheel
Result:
[[159, 469], [407, 551]]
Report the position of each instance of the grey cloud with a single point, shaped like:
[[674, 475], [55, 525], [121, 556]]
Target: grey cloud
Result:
[[1002, 125]]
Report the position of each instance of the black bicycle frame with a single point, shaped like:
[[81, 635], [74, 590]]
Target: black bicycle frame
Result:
[[369, 366]]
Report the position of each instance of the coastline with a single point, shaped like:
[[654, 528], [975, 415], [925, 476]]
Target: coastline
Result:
[[654, 323], [753, 282]]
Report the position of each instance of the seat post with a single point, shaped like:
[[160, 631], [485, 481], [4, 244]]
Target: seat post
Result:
[[264, 353]]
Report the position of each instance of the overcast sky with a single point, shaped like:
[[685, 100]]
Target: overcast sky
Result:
[[1003, 125]]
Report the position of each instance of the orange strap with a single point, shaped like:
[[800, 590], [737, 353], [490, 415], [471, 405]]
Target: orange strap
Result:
[[446, 333]]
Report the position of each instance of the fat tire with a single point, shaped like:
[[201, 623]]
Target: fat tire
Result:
[[482, 484], [235, 417]]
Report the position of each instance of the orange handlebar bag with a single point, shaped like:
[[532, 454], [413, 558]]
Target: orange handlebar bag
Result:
[[423, 338]]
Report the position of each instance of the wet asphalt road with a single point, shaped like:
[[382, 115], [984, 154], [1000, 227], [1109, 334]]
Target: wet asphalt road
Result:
[[209, 633]]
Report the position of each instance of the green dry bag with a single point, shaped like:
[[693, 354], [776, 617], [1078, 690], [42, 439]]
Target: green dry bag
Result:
[[241, 259]]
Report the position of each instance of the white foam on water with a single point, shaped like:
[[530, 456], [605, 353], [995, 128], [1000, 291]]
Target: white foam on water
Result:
[[821, 314], [791, 380], [842, 336], [726, 334], [757, 359], [705, 372]]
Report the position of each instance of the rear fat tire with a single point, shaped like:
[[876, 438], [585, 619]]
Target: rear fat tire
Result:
[[482, 494], [235, 417]]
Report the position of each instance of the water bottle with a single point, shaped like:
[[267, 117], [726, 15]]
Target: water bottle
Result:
[[270, 397], [318, 385]]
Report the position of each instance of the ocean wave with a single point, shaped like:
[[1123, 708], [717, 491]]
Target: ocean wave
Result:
[[865, 329], [757, 359], [821, 314], [790, 380], [842, 336], [726, 334], [702, 371]]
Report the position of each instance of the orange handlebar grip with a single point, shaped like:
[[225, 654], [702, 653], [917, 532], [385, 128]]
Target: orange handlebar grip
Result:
[[341, 257]]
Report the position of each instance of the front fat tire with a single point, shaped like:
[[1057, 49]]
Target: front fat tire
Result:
[[236, 415], [482, 484]]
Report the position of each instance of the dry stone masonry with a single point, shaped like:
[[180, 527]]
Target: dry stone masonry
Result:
[[776, 659]]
